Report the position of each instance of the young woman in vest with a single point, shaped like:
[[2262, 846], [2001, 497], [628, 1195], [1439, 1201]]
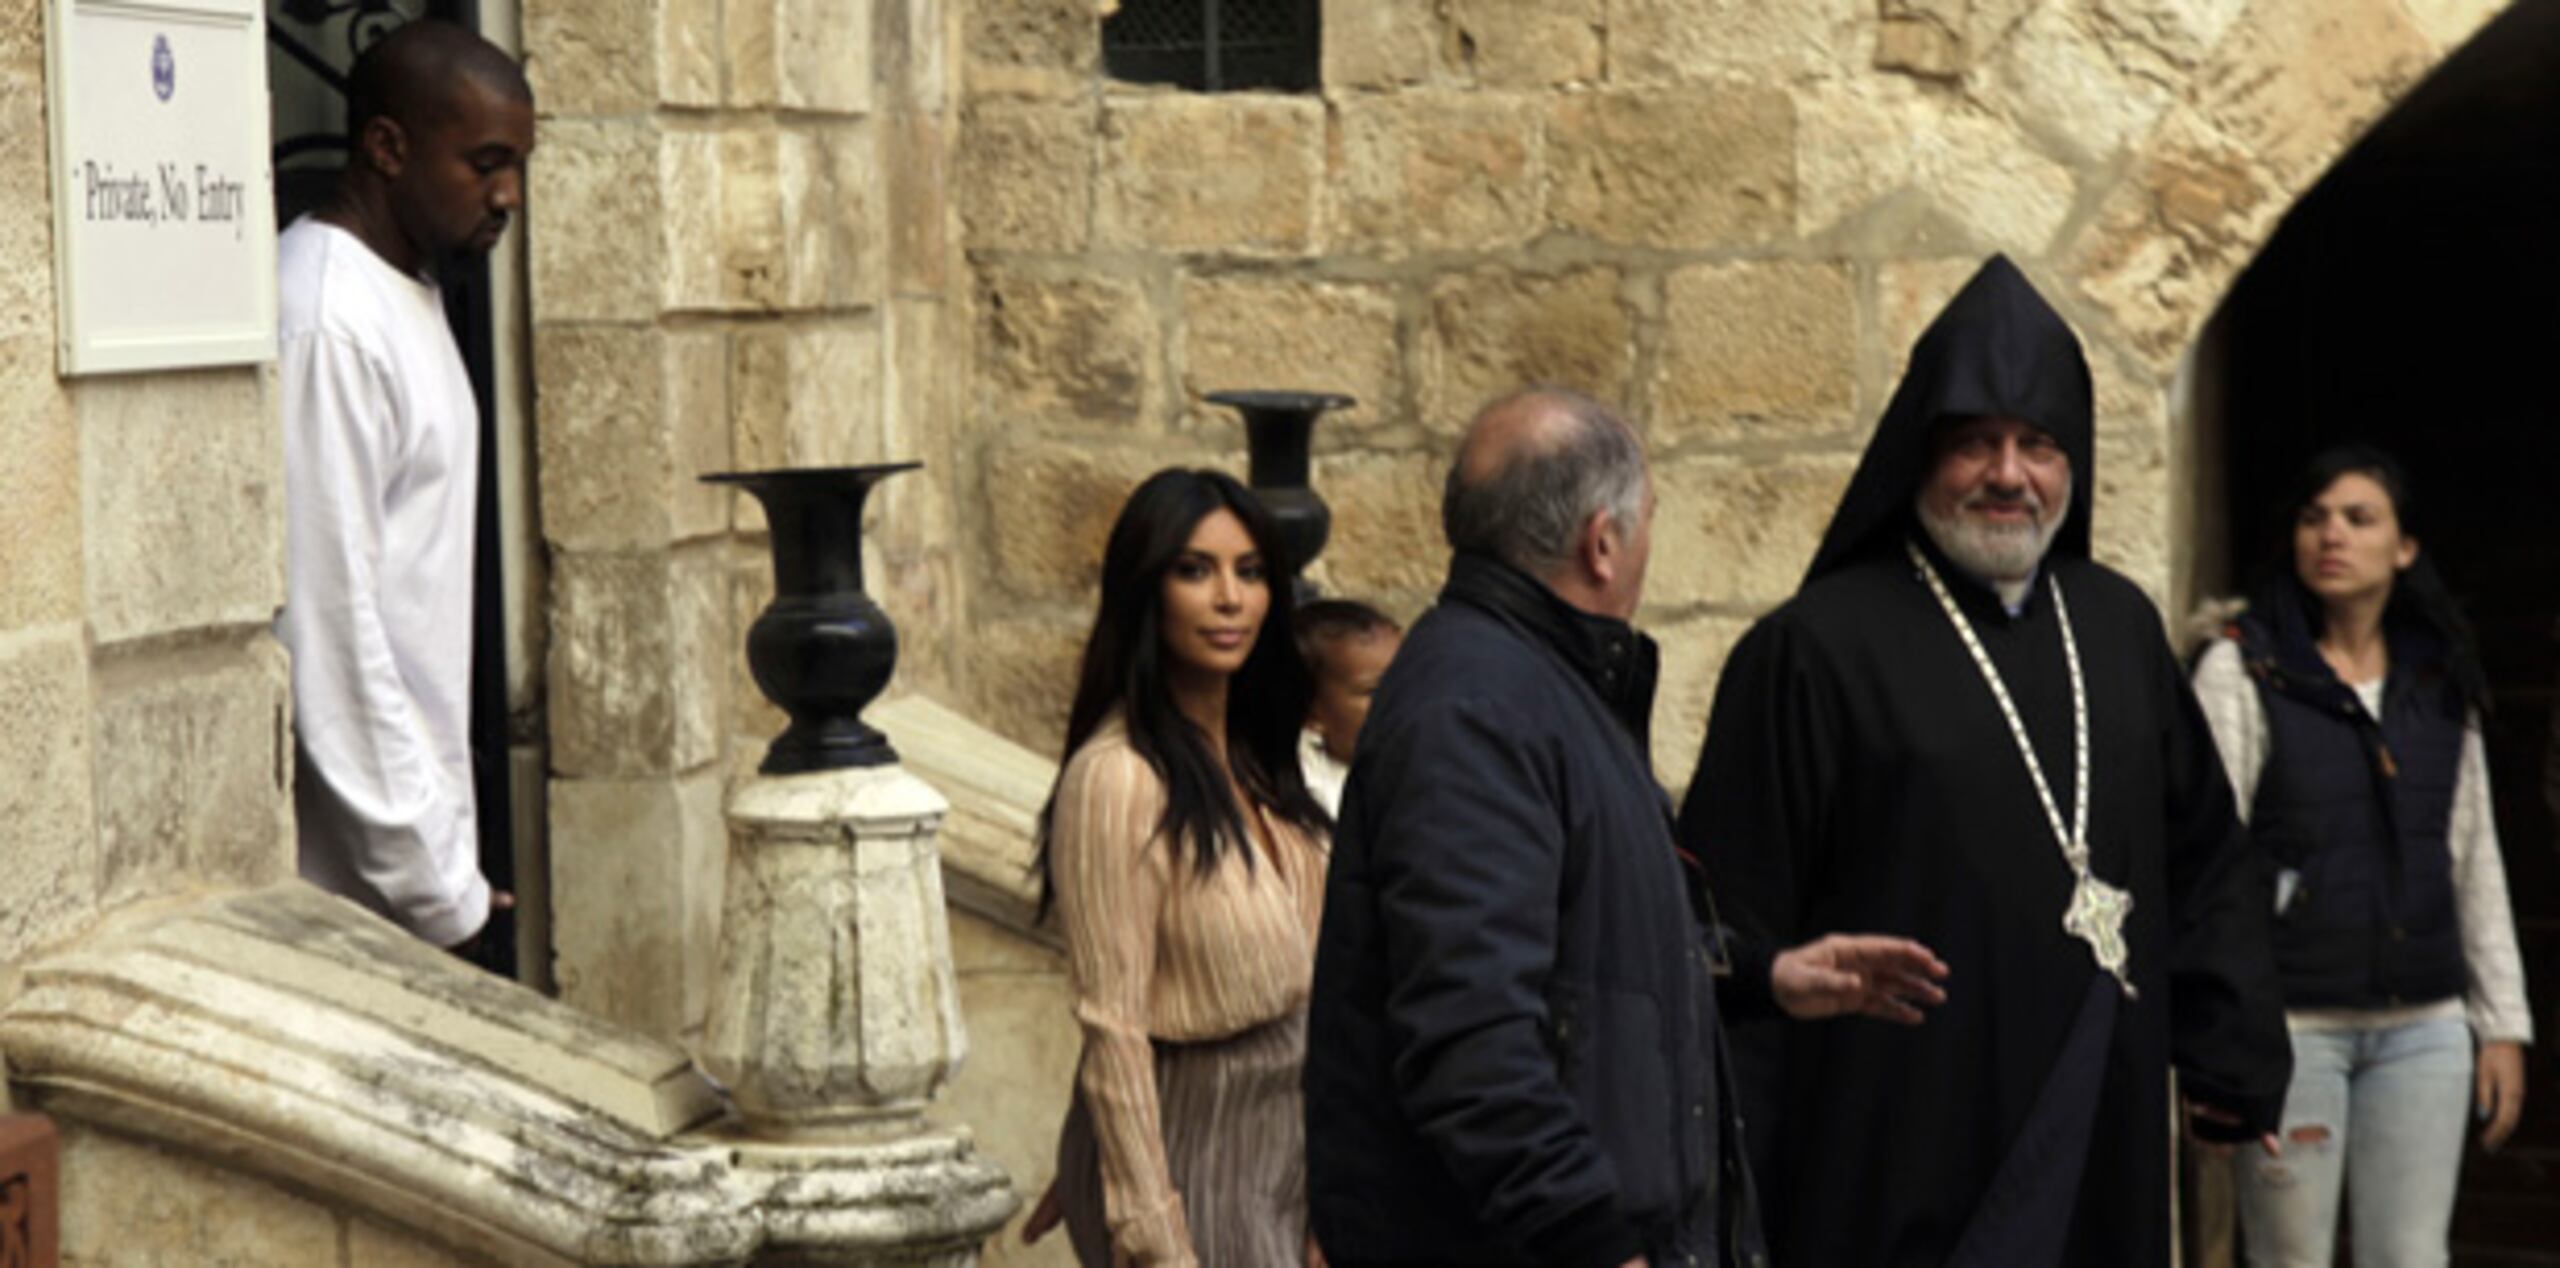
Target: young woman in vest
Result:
[[2346, 701], [1186, 860]]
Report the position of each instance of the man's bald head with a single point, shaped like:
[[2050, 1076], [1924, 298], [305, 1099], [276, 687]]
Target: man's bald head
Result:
[[415, 77], [1532, 470]]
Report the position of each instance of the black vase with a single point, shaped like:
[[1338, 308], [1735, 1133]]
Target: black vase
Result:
[[822, 650], [1279, 429]]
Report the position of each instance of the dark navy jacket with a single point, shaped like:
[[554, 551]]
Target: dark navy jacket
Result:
[[1511, 1048], [2358, 810]]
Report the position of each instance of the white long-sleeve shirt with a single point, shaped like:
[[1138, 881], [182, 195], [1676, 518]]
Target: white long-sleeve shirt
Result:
[[2494, 1000], [382, 451]]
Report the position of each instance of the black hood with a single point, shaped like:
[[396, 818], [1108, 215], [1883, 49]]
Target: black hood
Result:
[[1997, 348]]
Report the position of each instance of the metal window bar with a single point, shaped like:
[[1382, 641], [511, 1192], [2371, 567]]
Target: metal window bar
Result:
[[1215, 45]]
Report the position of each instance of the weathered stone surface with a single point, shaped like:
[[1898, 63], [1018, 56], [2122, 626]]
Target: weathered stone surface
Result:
[[1943, 39], [689, 52], [1258, 331], [2169, 238], [1910, 295], [2168, 34], [44, 786], [2131, 520], [375, 1245], [1439, 172], [126, 1204], [760, 224], [1693, 656], [39, 496], [1083, 347], [592, 59], [2064, 84], [1669, 41], [2451, 22], [1226, 173], [1026, 175], [631, 416], [749, 30], [194, 764], [1051, 504], [826, 54], [640, 648], [636, 876], [1380, 45], [1493, 330], [184, 475], [1527, 43], [596, 239], [1024, 1043], [914, 40], [1386, 544], [1022, 673], [1739, 532], [1756, 351], [834, 214], [803, 396], [1883, 144], [2293, 84], [26, 212], [1035, 48], [915, 165], [1677, 168]]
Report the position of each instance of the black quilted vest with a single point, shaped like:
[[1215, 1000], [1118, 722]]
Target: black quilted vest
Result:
[[2359, 810]]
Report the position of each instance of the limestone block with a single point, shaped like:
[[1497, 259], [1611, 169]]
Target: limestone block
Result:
[[1083, 347], [1693, 656], [996, 788], [39, 489], [1943, 39], [374, 1245], [1492, 330], [1756, 351], [2293, 84], [1032, 48], [1022, 674], [1261, 331], [1026, 175], [194, 761], [2132, 518], [26, 212], [1739, 532], [2168, 33], [2169, 238], [44, 786], [1386, 524], [596, 236], [826, 54], [1014, 1092], [833, 215], [689, 52], [916, 161], [836, 1004], [1368, 46], [913, 39], [1051, 505], [1225, 173], [1883, 145], [1671, 41], [1686, 168], [804, 396], [592, 59], [128, 1204], [1527, 43], [2451, 22], [1439, 172], [636, 876], [750, 32], [728, 237], [640, 651], [2063, 82], [182, 482], [631, 416], [1910, 294]]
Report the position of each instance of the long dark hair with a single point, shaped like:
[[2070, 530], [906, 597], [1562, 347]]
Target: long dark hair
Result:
[[1124, 669], [2420, 603]]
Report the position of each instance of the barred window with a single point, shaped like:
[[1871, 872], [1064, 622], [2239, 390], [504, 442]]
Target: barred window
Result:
[[1215, 45]]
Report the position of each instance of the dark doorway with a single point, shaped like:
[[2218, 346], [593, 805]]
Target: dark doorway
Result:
[[310, 45], [2412, 299]]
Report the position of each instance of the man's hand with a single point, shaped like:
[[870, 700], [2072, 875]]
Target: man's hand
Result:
[[1857, 973], [2498, 1086], [2197, 1111]]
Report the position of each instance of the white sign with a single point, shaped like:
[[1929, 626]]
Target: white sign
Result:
[[163, 197]]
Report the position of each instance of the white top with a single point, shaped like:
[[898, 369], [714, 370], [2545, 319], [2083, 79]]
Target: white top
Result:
[[1324, 775], [2495, 999], [381, 459]]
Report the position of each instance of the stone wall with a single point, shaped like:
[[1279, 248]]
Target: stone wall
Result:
[[1731, 217], [739, 260]]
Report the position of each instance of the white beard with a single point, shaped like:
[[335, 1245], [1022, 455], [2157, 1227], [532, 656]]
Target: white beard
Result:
[[2002, 556]]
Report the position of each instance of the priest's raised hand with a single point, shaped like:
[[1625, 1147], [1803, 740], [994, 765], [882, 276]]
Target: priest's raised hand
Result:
[[1858, 974]]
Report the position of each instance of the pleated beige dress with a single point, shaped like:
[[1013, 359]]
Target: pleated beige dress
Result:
[[1184, 1145]]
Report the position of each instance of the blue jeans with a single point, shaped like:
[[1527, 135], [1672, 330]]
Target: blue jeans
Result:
[[2383, 1109]]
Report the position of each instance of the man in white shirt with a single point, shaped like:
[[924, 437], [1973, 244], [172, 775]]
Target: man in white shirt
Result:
[[381, 447]]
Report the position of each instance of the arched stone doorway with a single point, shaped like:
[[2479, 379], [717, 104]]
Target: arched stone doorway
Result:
[[2412, 299]]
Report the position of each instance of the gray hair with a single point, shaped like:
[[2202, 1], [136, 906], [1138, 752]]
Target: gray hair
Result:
[[1529, 512]]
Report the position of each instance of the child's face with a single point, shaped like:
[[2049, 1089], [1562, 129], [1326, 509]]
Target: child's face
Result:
[[1347, 672]]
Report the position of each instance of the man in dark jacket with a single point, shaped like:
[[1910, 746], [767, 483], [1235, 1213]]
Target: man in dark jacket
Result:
[[1512, 1049]]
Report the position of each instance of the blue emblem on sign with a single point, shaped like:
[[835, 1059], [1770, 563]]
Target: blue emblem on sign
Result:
[[164, 68]]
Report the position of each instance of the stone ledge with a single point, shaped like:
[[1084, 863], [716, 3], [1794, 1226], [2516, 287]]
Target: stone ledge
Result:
[[996, 788]]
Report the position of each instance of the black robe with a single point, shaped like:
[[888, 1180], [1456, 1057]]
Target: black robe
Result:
[[1858, 775]]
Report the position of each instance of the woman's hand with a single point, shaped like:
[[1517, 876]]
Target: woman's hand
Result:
[[1865, 973], [2498, 1084], [1046, 1214]]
